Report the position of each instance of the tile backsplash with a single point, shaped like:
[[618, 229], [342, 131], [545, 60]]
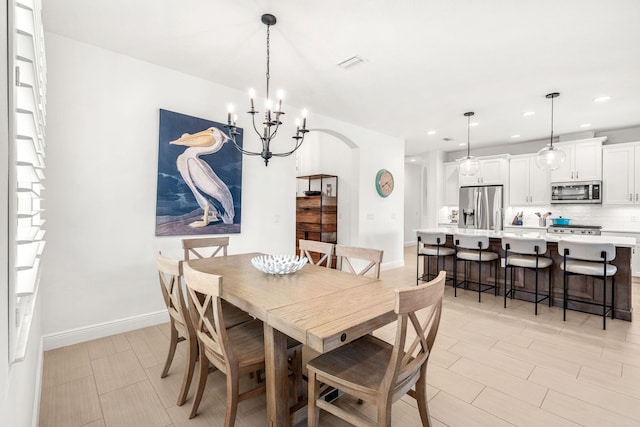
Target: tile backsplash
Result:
[[609, 217]]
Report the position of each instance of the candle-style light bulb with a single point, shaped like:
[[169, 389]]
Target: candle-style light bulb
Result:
[[304, 118], [252, 94], [235, 119], [280, 97], [229, 111]]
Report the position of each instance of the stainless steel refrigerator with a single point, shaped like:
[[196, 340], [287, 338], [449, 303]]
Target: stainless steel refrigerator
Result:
[[480, 207]]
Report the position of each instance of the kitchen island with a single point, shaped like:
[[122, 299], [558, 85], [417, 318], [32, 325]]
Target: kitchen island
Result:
[[579, 287]]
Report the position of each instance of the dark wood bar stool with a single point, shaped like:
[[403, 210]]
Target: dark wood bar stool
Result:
[[431, 245], [473, 248], [589, 259], [527, 253]]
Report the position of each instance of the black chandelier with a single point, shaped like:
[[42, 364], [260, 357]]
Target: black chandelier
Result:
[[272, 116]]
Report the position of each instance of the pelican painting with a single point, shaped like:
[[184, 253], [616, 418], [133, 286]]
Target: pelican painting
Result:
[[205, 185], [199, 178]]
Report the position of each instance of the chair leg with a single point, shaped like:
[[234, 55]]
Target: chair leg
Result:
[[613, 296], [313, 412], [536, 293], [233, 391], [496, 270], [505, 284], [188, 372], [604, 302], [550, 288], [421, 396], [480, 280], [455, 276], [173, 343], [384, 413], [564, 296], [202, 381]]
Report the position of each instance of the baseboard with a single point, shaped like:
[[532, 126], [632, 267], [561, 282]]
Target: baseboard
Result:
[[75, 336], [391, 265]]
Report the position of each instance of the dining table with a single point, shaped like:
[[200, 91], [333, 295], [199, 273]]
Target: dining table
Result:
[[320, 307]]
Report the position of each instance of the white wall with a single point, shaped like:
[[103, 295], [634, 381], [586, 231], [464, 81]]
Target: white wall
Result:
[[101, 184], [413, 195]]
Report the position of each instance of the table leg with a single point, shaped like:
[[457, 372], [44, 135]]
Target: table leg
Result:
[[275, 353]]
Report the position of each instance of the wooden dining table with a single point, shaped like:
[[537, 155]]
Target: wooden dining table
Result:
[[318, 306]]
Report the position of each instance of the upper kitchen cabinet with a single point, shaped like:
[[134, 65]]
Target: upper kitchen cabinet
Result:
[[583, 161], [621, 174], [493, 170], [450, 194], [528, 184]]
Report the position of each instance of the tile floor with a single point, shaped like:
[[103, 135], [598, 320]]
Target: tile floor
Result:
[[490, 367]]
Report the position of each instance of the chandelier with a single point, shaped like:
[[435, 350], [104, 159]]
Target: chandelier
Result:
[[272, 115], [469, 164], [549, 157]]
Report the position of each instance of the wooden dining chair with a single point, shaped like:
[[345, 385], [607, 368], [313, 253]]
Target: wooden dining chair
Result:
[[377, 372], [193, 248], [314, 250], [170, 274], [234, 351], [348, 256]]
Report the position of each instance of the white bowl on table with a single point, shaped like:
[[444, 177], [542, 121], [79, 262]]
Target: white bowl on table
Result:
[[278, 264]]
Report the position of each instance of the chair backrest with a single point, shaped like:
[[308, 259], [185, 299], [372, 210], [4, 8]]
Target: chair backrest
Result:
[[170, 274], [418, 309], [524, 245], [471, 241], [432, 238], [348, 255], [216, 244], [205, 309], [587, 251], [310, 247]]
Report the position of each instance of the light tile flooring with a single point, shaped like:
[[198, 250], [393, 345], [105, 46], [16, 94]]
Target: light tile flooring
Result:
[[490, 367]]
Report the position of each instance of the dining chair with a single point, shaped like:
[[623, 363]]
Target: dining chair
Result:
[[378, 372], [351, 258], [234, 351], [193, 248], [321, 251], [170, 272]]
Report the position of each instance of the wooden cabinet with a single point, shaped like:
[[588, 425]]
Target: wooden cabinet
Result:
[[621, 174], [583, 161], [317, 208], [451, 186], [528, 184], [492, 171]]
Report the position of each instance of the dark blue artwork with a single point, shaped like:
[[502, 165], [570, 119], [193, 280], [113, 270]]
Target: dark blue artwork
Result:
[[199, 177]]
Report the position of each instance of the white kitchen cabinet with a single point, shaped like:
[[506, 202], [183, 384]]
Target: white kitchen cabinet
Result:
[[583, 161], [528, 184], [451, 186], [635, 253], [621, 174], [492, 171]]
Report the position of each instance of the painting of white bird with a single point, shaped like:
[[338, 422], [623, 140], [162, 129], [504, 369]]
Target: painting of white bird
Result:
[[192, 181]]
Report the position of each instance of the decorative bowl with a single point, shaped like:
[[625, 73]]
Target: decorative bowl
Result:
[[278, 264]]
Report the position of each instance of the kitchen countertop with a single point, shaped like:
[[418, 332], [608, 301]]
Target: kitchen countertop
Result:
[[620, 241]]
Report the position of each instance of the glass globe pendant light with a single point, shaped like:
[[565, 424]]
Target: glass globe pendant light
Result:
[[549, 157], [468, 165]]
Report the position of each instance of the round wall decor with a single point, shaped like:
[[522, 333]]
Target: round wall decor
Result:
[[384, 182]]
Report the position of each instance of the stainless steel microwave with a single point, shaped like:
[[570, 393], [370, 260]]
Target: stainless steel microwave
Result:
[[576, 192]]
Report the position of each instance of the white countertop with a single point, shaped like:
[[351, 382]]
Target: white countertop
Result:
[[620, 241]]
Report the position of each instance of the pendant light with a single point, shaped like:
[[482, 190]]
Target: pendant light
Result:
[[549, 157], [468, 165]]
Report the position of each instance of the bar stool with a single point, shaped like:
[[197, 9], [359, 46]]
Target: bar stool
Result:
[[589, 259], [430, 245], [525, 253], [470, 247]]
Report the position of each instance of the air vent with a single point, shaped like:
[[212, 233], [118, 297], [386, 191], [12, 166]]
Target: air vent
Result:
[[447, 139], [350, 62]]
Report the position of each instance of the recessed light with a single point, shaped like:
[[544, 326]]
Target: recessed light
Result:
[[515, 136], [462, 143], [473, 124], [528, 113], [412, 160], [431, 132], [601, 99], [585, 125]]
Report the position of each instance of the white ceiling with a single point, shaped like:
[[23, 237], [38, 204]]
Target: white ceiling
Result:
[[427, 61]]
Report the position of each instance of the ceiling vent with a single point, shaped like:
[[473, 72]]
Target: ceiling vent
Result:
[[350, 62]]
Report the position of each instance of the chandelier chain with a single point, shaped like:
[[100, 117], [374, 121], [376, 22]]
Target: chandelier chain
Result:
[[268, 59]]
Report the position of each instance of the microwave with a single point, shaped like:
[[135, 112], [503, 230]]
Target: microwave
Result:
[[576, 192]]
